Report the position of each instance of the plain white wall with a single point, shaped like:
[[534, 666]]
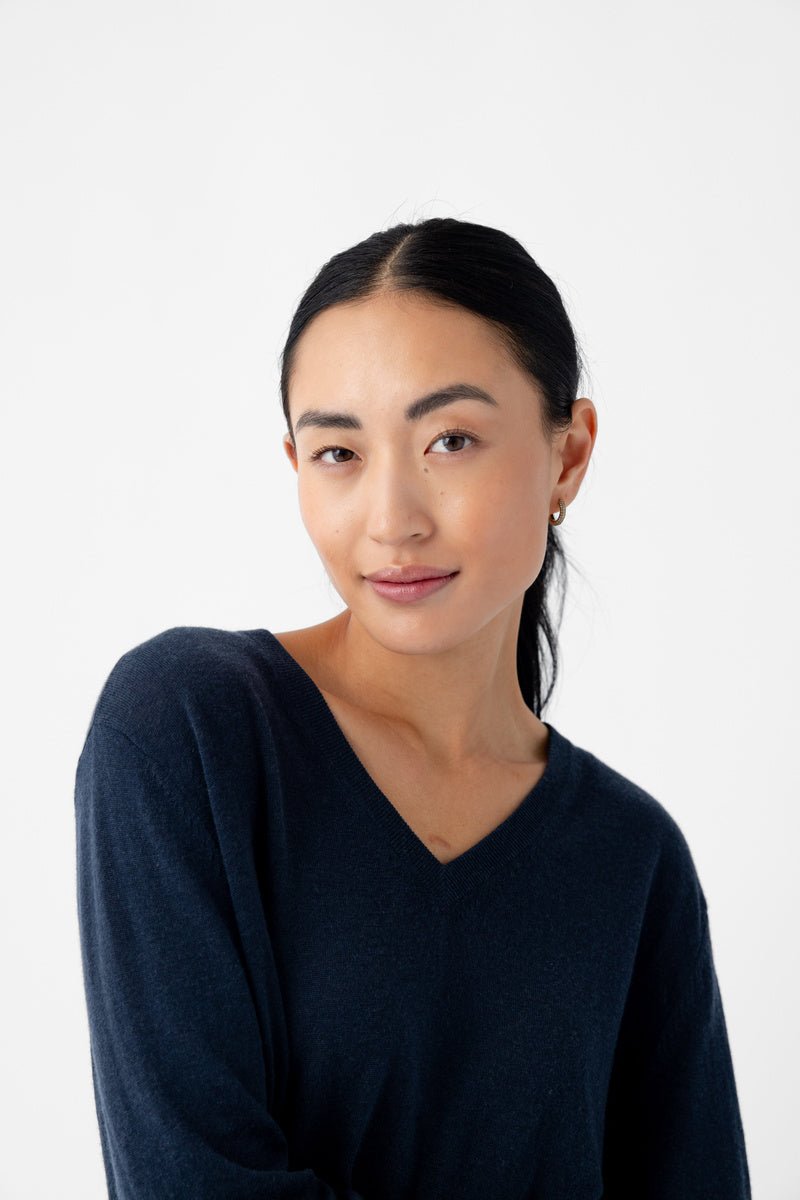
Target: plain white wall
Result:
[[173, 174]]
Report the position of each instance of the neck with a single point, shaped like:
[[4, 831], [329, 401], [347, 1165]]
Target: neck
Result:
[[459, 708]]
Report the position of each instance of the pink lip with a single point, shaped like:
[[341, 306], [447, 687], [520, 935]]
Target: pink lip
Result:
[[409, 574], [405, 593]]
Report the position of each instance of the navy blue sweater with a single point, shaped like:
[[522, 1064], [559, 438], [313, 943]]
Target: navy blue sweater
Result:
[[289, 995]]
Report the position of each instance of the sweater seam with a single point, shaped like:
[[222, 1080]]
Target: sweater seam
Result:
[[171, 786], [670, 1023], [155, 764]]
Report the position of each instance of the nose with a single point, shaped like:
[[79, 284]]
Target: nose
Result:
[[397, 506]]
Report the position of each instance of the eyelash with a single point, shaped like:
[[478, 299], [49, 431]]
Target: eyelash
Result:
[[447, 433]]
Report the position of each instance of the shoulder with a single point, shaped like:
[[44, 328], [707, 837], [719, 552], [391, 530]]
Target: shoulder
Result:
[[182, 686], [183, 661], [642, 842], [627, 807]]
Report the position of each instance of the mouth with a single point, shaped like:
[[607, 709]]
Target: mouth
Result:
[[406, 592], [409, 574]]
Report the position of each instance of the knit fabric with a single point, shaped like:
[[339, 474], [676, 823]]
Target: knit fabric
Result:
[[289, 995]]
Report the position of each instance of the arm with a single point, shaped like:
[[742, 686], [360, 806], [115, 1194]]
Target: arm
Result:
[[182, 1068], [673, 1126]]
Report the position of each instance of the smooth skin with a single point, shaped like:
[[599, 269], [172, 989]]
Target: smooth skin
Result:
[[440, 673]]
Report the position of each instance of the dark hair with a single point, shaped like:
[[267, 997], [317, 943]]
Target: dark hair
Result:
[[491, 274]]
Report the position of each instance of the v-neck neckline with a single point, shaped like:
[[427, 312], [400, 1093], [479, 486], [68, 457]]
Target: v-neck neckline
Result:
[[445, 884]]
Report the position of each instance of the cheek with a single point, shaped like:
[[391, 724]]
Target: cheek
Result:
[[325, 523], [315, 516], [506, 528]]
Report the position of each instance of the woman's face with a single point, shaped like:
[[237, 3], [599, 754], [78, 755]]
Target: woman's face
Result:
[[467, 487]]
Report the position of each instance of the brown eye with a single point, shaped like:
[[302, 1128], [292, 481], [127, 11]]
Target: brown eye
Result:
[[324, 450], [457, 434]]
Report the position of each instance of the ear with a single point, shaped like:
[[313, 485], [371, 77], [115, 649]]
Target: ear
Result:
[[288, 446], [574, 449]]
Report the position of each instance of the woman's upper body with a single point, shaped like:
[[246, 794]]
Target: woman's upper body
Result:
[[294, 991]]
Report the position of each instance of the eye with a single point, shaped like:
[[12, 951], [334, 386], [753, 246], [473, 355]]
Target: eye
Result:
[[449, 433], [456, 433], [326, 450]]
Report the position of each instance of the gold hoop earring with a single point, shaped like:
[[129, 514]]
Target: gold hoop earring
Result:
[[562, 512]]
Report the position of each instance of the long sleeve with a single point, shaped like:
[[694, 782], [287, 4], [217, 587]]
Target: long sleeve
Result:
[[673, 1128], [181, 1060]]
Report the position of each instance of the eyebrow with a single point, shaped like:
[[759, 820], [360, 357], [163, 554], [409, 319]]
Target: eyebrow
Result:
[[323, 419]]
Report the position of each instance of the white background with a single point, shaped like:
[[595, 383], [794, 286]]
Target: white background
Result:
[[173, 175]]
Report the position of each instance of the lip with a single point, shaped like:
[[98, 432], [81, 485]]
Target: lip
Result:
[[409, 574], [406, 593]]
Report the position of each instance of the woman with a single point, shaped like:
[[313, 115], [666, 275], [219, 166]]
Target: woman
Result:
[[356, 921]]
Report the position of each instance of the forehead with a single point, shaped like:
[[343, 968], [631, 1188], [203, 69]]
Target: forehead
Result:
[[395, 340]]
